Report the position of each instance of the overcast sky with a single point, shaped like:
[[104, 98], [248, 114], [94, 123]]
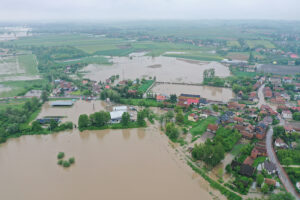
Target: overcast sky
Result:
[[148, 9]]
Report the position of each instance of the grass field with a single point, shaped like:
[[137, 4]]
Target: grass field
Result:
[[19, 88], [29, 63], [260, 43], [233, 43], [89, 60], [201, 126], [15, 103], [144, 87], [238, 55], [236, 149]]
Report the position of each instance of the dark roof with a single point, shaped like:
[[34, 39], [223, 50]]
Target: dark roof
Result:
[[190, 95], [247, 170], [234, 164], [269, 166]]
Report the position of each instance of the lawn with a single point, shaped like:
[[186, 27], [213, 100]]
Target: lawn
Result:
[[236, 149], [201, 125], [260, 43], [15, 103], [233, 43], [89, 60], [29, 63], [236, 72], [259, 160], [19, 88], [144, 87]]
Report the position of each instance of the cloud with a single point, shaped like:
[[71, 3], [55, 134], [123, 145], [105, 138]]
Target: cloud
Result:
[[149, 9]]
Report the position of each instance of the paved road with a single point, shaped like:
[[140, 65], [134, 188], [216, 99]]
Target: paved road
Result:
[[281, 173], [271, 154]]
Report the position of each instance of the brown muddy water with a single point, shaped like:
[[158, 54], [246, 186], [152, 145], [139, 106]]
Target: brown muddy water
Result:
[[209, 92], [169, 70], [110, 164]]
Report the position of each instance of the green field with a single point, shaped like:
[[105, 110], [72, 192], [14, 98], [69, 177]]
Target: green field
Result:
[[19, 88], [14, 103], [260, 43], [29, 63], [201, 126], [144, 87], [233, 43]]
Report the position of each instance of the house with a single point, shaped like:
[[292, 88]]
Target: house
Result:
[[116, 116], [288, 128], [297, 86], [247, 135], [236, 106], [247, 170], [267, 92], [276, 81], [280, 143], [270, 182], [107, 87], [269, 167], [34, 93], [212, 128], [238, 119], [249, 161], [261, 130], [61, 103], [252, 95], [120, 108], [278, 100], [161, 98], [286, 114], [254, 153], [85, 81], [188, 99], [267, 120], [193, 117], [287, 80]]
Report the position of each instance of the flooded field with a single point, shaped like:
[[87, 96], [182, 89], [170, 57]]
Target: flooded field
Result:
[[129, 164], [163, 68], [110, 164], [72, 113], [209, 92]]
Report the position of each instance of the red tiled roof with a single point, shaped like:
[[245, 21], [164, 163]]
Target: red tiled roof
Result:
[[212, 127], [248, 161]]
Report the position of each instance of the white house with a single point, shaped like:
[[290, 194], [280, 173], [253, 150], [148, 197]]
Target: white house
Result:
[[116, 116], [280, 143], [286, 114], [120, 108]]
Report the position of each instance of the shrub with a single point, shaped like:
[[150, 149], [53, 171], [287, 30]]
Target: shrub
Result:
[[66, 164], [60, 162], [72, 160], [60, 155]]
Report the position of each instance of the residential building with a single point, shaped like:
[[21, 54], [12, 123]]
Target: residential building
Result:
[[286, 114]]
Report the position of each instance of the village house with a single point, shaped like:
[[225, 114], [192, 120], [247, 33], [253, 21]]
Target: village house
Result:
[[248, 161], [252, 96], [236, 106], [267, 92], [261, 130], [279, 143], [288, 128], [238, 120], [286, 114], [247, 170], [278, 100], [193, 117], [188, 99], [268, 166], [287, 80], [161, 98], [212, 128], [276, 81]]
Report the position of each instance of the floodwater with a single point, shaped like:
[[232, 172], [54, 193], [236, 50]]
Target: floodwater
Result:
[[170, 70], [209, 92], [129, 164], [110, 164], [72, 113]]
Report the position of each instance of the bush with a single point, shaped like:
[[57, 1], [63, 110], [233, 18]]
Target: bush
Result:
[[60, 162], [66, 164], [72, 160], [60, 155]]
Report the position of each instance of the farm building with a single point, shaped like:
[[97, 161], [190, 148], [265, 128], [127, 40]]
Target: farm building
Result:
[[61, 103]]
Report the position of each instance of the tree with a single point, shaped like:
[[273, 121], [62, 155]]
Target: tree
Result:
[[179, 118], [99, 119], [125, 119], [259, 179], [171, 131], [265, 189], [282, 196], [296, 116], [141, 118], [278, 131], [173, 98], [36, 126], [83, 121], [44, 96], [287, 161], [53, 124]]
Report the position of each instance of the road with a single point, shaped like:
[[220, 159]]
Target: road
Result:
[[281, 173], [271, 154]]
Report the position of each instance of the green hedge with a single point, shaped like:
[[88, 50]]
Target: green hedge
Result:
[[230, 195]]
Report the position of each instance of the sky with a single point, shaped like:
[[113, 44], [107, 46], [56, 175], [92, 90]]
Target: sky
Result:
[[14, 10]]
